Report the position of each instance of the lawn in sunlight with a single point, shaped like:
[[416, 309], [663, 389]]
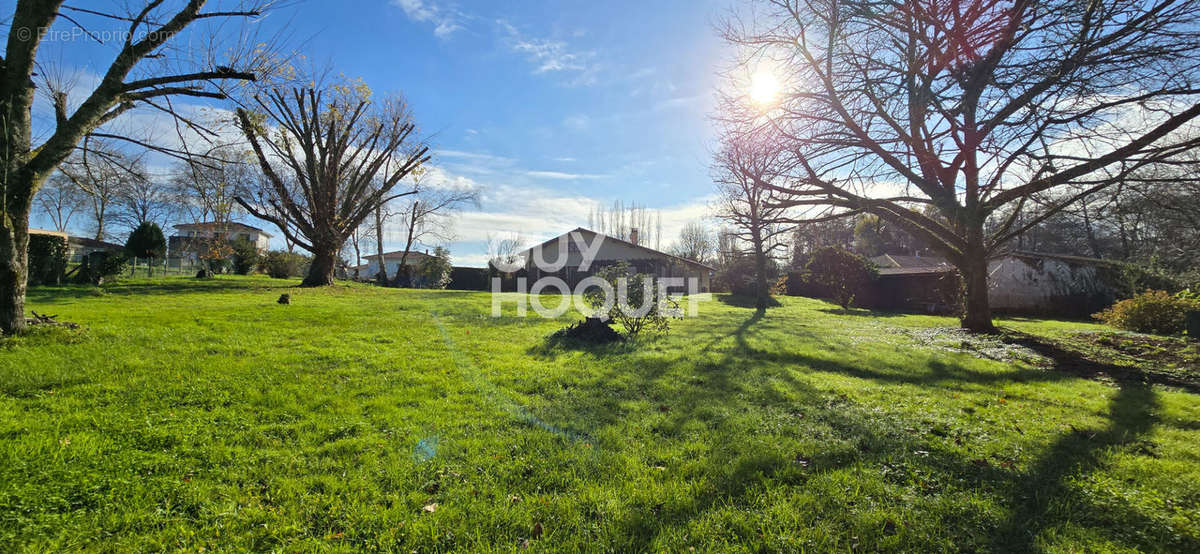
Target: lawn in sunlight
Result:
[[192, 414]]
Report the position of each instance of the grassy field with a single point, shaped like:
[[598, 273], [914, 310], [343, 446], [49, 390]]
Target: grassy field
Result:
[[189, 415]]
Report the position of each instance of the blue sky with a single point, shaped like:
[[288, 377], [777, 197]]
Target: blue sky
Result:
[[549, 107]]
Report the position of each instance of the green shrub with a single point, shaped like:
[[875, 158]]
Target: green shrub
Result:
[[99, 266], [645, 307], [282, 264], [738, 277], [245, 256], [146, 241], [435, 270], [1153, 311], [47, 259], [841, 272]]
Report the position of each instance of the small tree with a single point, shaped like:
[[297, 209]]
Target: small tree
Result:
[[282, 264], [844, 273], [635, 301], [245, 256], [146, 241], [435, 270]]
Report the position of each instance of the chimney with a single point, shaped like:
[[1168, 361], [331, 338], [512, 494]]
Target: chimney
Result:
[[633, 235]]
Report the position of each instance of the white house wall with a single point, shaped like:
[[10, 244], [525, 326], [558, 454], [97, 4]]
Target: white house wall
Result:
[[1020, 284]]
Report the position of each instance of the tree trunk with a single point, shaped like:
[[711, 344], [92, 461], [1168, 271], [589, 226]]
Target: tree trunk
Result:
[[14, 271], [760, 273], [977, 312], [320, 272], [381, 276]]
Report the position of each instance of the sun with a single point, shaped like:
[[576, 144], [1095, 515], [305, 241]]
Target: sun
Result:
[[764, 88]]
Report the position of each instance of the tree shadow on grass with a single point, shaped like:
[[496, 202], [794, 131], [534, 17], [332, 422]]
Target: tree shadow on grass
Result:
[[745, 301], [1073, 362], [700, 394], [861, 312], [166, 286]]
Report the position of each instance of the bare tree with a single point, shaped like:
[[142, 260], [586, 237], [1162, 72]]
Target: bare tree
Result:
[[332, 144], [103, 174], [428, 216], [619, 222], [971, 108], [356, 243], [743, 164], [696, 242], [204, 186], [504, 252], [140, 74], [59, 199]]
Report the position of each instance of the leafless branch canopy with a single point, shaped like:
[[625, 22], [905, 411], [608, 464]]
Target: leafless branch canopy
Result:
[[968, 107], [329, 158]]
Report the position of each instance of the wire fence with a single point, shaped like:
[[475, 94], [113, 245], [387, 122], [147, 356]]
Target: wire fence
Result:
[[162, 267]]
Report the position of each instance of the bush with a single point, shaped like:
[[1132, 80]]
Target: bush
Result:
[[282, 264], [799, 282], [1153, 311], [47, 259], [146, 241], [843, 273], [738, 279], [434, 271], [643, 309], [245, 256], [98, 266], [468, 278]]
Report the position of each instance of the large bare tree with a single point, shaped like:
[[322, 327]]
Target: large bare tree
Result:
[[329, 159], [745, 161], [968, 108], [139, 74]]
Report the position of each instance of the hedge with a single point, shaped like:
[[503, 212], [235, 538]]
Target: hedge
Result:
[[47, 259]]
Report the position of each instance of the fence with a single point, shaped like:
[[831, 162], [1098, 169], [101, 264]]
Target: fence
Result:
[[161, 267]]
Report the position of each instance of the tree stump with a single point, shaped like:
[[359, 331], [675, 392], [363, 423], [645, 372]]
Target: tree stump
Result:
[[593, 330], [1193, 325]]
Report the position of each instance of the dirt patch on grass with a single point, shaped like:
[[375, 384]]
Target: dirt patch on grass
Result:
[[1122, 357], [1169, 356], [991, 347], [1104, 356]]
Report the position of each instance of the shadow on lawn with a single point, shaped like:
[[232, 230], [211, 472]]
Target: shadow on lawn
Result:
[[165, 286], [1037, 499], [744, 301], [860, 312]]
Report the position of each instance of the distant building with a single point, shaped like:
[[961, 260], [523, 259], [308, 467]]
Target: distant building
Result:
[[1024, 282], [78, 247], [611, 251], [190, 238], [391, 261]]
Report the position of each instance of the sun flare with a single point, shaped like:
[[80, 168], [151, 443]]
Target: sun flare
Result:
[[764, 88]]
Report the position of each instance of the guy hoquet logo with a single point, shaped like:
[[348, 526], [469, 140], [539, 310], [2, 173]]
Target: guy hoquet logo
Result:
[[618, 295]]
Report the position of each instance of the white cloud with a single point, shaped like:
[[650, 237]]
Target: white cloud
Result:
[[445, 19], [579, 122], [561, 176], [510, 204], [550, 55]]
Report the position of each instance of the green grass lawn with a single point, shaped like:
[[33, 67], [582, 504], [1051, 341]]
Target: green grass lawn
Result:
[[189, 415]]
